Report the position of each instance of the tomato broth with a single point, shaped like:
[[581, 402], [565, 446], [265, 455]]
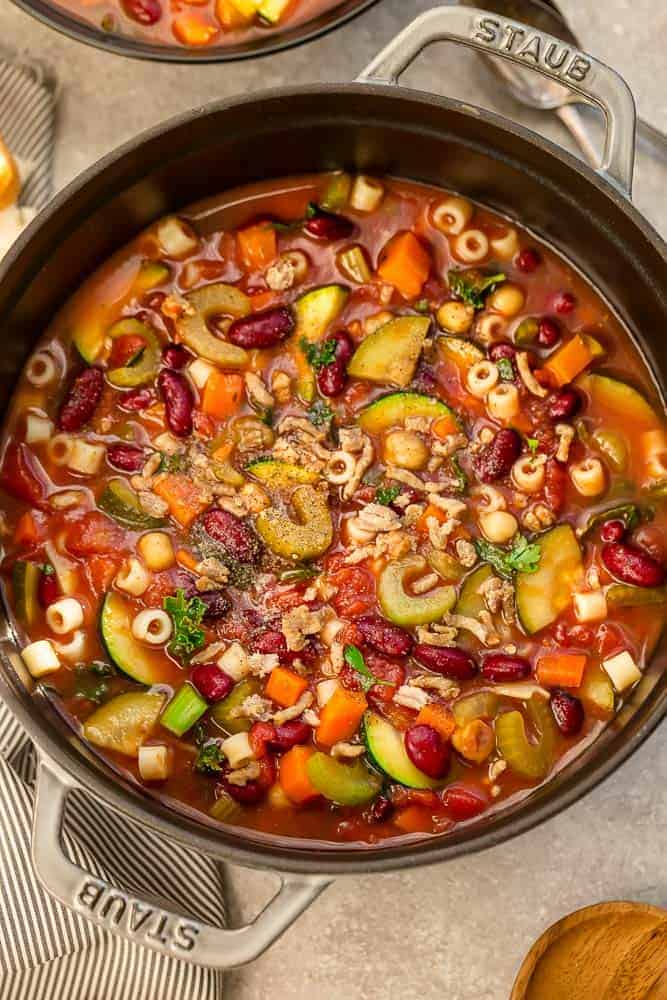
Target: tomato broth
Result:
[[334, 509]]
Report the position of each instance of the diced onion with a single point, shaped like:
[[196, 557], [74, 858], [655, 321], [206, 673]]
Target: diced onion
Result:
[[86, 458], [366, 194], [235, 662], [37, 428], [326, 690], [622, 671], [176, 239], [154, 762], [237, 749]]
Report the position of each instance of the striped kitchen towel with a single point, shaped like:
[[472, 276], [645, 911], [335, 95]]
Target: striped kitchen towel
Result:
[[48, 952]]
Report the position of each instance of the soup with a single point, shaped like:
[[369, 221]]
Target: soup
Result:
[[334, 509]]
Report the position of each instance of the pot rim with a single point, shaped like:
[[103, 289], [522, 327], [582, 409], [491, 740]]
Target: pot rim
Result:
[[58, 19], [314, 857]]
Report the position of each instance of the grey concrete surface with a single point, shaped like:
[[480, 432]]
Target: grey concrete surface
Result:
[[456, 932]]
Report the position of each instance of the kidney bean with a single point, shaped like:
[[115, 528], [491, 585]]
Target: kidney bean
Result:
[[175, 356], [632, 565], [288, 735], [612, 531], [651, 538], [126, 457], [462, 803], [501, 350], [235, 535], [425, 380], [497, 458], [385, 670], [564, 404], [568, 712], [380, 810], [564, 303], [48, 590], [502, 667], [248, 794], [446, 660], [327, 226], [261, 733], [383, 636], [144, 12], [548, 332], [274, 642], [427, 750], [528, 260], [332, 379], [555, 484], [211, 682], [178, 401], [217, 603], [136, 399], [262, 329], [81, 400]]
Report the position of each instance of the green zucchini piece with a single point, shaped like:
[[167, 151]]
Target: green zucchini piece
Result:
[[185, 708], [390, 354], [209, 302], [526, 332], [88, 339], [470, 601], [621, 401], [463, 353], [121, 503], [151, 274], [133, 658], [613, 446], [530, 760], [145, 367], [124, 723], [280, 475], [25, 579], [317, 309], [479, 705], [345, 784], [394, 409], [628, 513], [223, 711], [386, 751], [543, 595], [622, 595], [337, 193], [597, 692], [300, 540], [407, 609]]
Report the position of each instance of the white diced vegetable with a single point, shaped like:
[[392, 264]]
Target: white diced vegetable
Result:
[[176, 239], [200, 372], [325, 690], [154, 762], [622, 670], [590, 606], [237, 749], [37, 428], [366, 194], [234, 662], [40, 658], [86, 458]]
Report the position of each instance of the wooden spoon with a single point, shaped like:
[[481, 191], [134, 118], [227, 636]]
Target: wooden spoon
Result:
[[611, 951]]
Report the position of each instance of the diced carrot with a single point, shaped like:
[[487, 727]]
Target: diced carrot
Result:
[[438, 717], [406, 264], [223, 451], [431, 511], [340, 717], [258, 245], [229, 16], [293, 776], [192, 30], [561, 669], [443, 427], [413, 819], [101, 571], [569, 360], [262, 300], [182, 496], [26, 532], [185, 558], [222, 395], [285, 687]]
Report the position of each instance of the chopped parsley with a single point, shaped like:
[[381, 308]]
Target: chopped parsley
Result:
[[459, 475], [523, 557], [210, 759], [533, 444], [506, 369], [186, 616], [320, 413], [422, 306], [173, 463], [472, 286], [299, 574], [319, 355], [91, 681], [355, 659], [386, 495], [47, 569]]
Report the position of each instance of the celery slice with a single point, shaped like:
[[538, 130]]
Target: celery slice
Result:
[[184, 709]]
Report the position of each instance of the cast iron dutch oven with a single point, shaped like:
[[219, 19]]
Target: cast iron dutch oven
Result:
[[374, 126]]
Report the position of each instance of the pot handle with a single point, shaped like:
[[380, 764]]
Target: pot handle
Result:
[[530, 48], [142, 921]]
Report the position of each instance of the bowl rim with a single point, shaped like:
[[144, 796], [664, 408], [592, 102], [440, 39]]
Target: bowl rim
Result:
[[48, 12], [312, 857]]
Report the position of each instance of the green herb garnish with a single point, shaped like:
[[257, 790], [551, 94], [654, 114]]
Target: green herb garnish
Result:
[[422, 306], [321, 354], [320, 413], [299, 574], [459, 475], [386, 495], [173, 463], [210, 759], [523, 557], [47, 569], [506, 369], [91, 682], [533, 445], [472, 286], [186, 616], [355, 659]]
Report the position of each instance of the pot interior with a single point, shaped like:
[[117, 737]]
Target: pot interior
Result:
[[377, 130]]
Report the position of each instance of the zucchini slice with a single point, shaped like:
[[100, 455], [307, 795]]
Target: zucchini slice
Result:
[[25, 579], [120, 502], [144, 369], [137, 661], [390, 354], [543, 595], [125, 722], [280, 475], [393, 410], [470, 601], [317, 309], [88, 339], [621, 403], [386, 750], [345, 784]]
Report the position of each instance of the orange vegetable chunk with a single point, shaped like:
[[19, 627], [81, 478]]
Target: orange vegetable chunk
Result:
[[340, 717], [285, 687], [182, 496], [293, 776], [569, 360], [258, 245], [406, 264], [222, 395], [561, 669]]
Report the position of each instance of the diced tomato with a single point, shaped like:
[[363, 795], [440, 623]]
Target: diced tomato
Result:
[[94, 534], [21, 476], [101, 570], [462, 803], [124, 349], [355, 594], [203, 424], [31, 529], [260, 734], [161, 586]]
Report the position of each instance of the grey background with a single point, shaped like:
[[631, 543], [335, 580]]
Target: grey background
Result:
[[456, 932]]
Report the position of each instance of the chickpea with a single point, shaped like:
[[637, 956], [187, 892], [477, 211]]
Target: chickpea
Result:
[[406, 450], [455, 317], [475, 741], [508, 300], [499, 526]]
